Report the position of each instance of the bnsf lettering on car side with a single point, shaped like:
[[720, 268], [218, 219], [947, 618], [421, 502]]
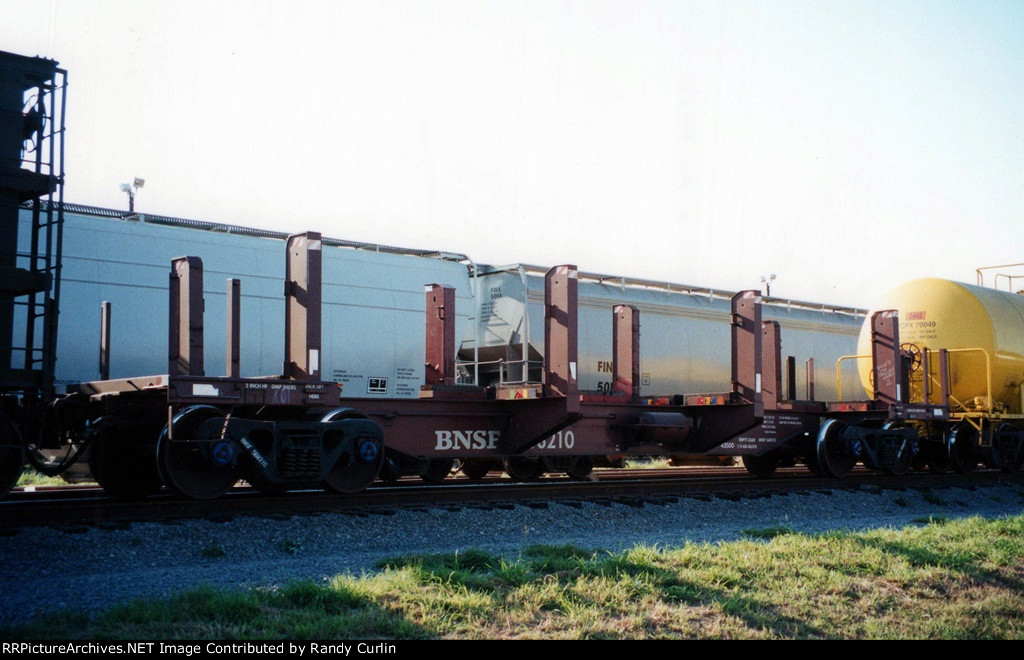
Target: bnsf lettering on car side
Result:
[[470, 439]]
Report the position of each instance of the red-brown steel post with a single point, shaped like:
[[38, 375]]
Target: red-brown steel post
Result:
[[771, 362], [886, 358], [809, 368], [232, 354], [105, 340], [944, 377], [927, 380], [186, 318], [791, 377], [561, 334], [746, 345], [626, 350], [440, 335], [302, 290]]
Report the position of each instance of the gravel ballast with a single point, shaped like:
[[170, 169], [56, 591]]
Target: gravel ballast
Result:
[[91, 568]]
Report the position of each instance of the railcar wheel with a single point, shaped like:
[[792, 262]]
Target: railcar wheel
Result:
[[521, 468], [834, 455], [581, 468], [1011, 448], [902, 464], [936, 455], [962, 448], [437, 469], [1018, 465], [354, 471], [12, 456], [199, 468], [761, 466], [1005, 452], [475, 469], [122, 464]]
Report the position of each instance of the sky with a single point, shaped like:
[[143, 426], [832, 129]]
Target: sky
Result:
[[844, 146]]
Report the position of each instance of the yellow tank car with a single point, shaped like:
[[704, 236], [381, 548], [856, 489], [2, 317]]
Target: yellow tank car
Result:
[[984, 330]]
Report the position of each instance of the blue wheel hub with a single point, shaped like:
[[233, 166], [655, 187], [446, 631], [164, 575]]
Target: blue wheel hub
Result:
[[368, 452], [223, 453]]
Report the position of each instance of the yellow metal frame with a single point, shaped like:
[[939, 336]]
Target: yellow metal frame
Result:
[[976, 418], [960, 404], [839, 374], [987, 412]]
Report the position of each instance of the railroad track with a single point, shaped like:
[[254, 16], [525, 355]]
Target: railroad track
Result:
[[78, 506]]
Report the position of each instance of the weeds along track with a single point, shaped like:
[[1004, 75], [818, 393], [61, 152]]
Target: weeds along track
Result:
[[73, 506]]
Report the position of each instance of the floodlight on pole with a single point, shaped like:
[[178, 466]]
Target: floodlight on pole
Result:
[[130, 189], [767, 280]]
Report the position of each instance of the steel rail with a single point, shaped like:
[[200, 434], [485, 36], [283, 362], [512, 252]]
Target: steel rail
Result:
[[94, 508]]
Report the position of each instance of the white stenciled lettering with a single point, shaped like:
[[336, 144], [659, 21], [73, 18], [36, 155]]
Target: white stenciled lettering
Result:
[[468, 439], [560, 440], [462, 439]]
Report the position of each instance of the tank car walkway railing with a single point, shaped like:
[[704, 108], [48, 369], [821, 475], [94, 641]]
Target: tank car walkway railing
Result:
[[1010, 279], [839, 373], [973, 412]]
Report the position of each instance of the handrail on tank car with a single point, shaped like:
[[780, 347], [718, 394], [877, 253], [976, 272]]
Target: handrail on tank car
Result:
[[839, 375], [988, 377], [981, 276], [1009, 281]]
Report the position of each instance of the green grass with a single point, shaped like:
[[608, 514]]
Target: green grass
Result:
[[767, 532], [647, 463], [32, 478], [960, 578]]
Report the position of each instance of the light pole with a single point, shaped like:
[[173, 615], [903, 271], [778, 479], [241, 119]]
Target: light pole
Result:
[[767, 280], [130, 189]]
